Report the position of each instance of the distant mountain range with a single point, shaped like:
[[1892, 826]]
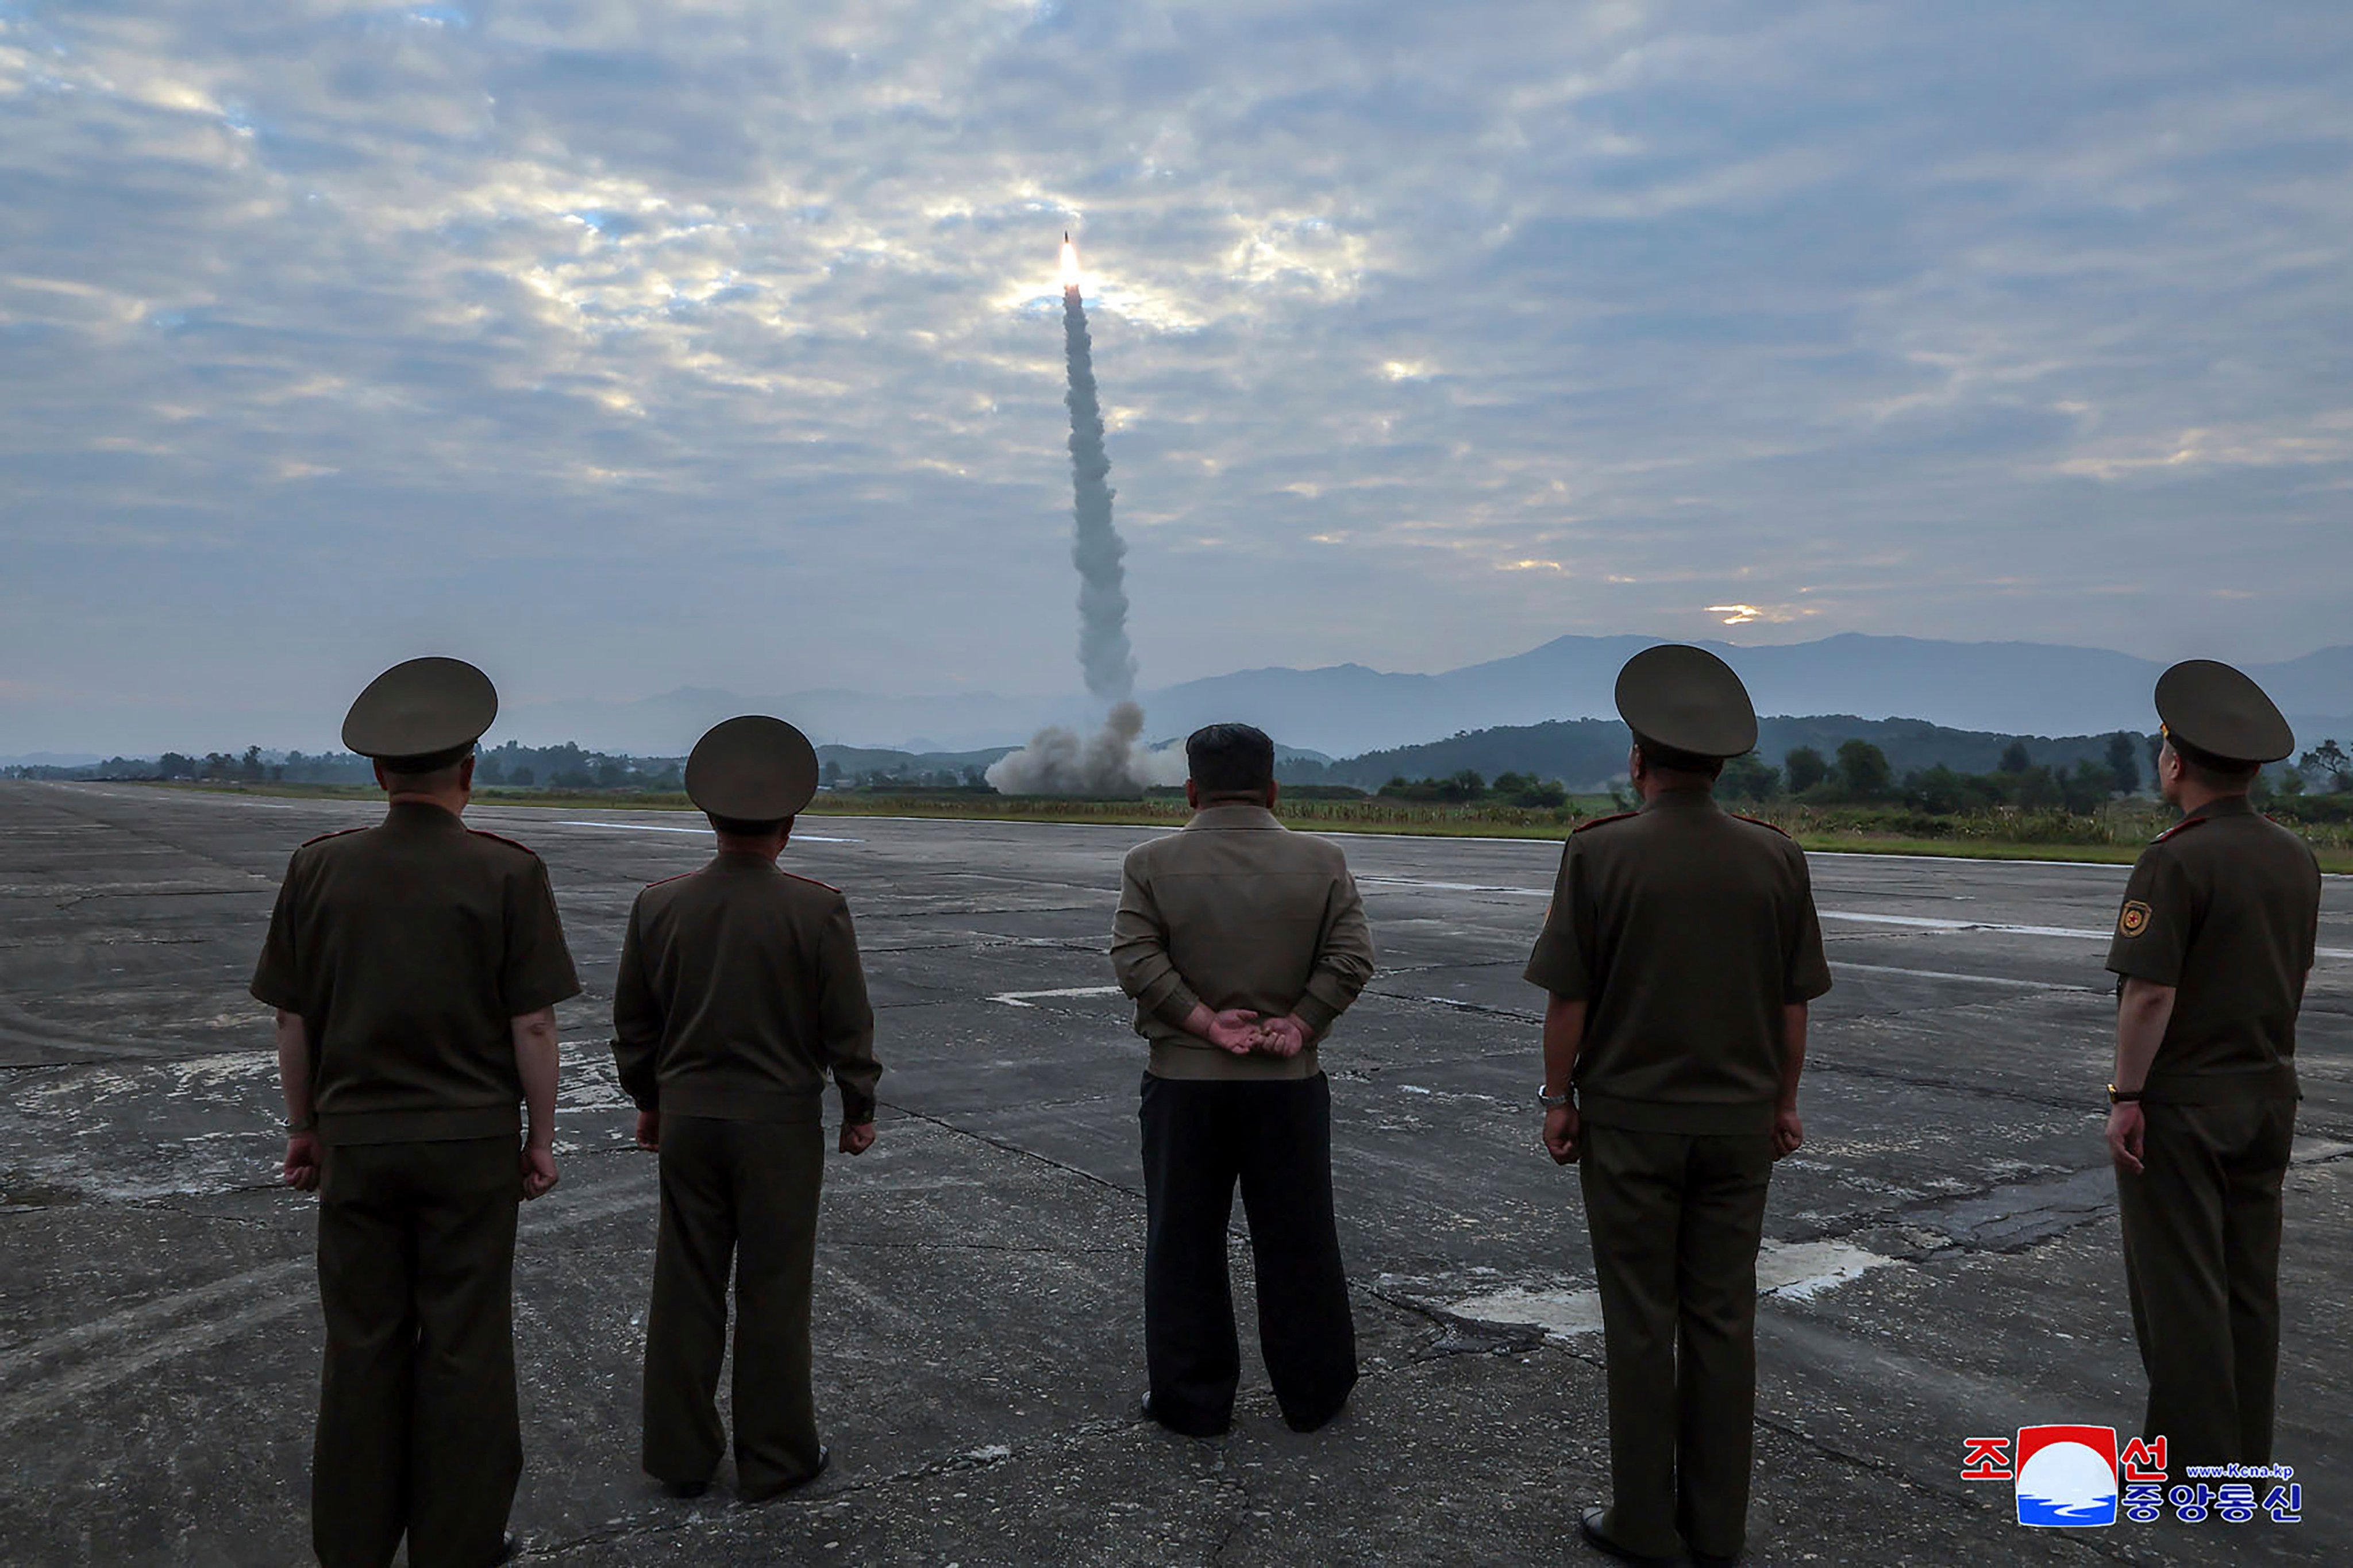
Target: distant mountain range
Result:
[[1588, 754], [2033, 689]]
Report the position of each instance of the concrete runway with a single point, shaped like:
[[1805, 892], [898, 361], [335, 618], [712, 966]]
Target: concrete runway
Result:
[[1942, 1255]]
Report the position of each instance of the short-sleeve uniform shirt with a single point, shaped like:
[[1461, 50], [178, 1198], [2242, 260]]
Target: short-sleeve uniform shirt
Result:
[[1686, 930], [408, 949], [2225, 907]]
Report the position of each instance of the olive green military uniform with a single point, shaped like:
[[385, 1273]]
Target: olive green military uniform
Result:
[[408, 949], [1238, 912], [2225, 907], [740, 989], [1686, 931]]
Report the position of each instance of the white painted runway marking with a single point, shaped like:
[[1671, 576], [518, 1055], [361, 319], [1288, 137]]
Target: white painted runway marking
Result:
[[1977, 979], [1926, 922], [1792, 1271], [1028, 998], [1453, 886], [1858, 916], [1920, 922], [705, 832]]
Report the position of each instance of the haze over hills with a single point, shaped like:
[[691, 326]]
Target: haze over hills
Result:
[[2038, 688]]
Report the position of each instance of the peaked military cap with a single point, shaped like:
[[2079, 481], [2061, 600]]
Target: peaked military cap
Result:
[[2209, 707], [753, 768], [423, 712], [1686, 699]]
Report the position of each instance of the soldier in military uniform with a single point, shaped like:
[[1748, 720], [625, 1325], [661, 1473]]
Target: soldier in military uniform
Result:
[[1241, 943], [739, 991], [2212, 946], [416, 967], [1679, 952]]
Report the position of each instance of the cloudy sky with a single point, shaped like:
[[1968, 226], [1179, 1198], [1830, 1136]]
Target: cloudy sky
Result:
[[620, 347]]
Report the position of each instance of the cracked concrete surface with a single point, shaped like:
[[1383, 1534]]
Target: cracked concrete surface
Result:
[[979, 1344]]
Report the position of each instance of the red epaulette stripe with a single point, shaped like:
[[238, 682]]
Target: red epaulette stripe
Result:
[[338, 833], [1762, 823], [812, 881], [666, 882], [502, 838], [1613, 817], [2183, 825]]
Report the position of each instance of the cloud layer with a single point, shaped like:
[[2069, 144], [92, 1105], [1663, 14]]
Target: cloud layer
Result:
[[624, 347]]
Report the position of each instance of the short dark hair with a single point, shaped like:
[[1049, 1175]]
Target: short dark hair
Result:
[[1678, 762], [1230, 759], [2211, 771], [737, 827], [428, 772]]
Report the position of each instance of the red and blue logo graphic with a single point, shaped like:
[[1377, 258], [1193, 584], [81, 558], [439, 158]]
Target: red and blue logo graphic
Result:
[[2066, 1475]]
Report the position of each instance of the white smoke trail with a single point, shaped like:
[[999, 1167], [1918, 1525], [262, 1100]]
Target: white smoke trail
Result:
[[1097, 550], [1109, 762]]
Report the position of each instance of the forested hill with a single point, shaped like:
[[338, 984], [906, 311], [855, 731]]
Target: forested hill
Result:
[[1585, 753]]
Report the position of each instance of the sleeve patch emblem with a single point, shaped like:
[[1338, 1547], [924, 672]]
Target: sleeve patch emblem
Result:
[[2133, 919]]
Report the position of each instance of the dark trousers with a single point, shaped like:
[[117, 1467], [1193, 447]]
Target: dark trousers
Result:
[[1275, 1139], [418, 1429], [2201, 1240], [1675, 1220], [744, 1192]]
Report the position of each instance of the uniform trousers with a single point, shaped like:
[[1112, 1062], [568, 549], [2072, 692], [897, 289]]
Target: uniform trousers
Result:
[[418, 1428], [1201, 1137], [1675, 1220], [2201, 1241], [746, 1193]]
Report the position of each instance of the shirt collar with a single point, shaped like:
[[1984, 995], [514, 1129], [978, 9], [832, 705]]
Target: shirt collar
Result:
[[2223, 806], [420, 814], [1233, 815]]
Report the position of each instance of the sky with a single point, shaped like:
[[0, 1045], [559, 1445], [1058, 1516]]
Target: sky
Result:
[[620, 348]]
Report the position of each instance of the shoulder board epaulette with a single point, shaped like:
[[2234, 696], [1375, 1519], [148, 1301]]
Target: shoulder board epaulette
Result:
[[501, 839], [812, 881], [2184, 826], [1762, 823], [1598, 821], [338, 833], [666, 882]]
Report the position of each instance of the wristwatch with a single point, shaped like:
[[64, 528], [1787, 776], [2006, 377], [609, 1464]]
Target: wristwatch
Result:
[[2123, 1096], [1553, 1101]]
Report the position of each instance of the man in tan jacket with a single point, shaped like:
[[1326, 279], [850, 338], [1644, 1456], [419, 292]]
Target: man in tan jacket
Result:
[[1241, 942]]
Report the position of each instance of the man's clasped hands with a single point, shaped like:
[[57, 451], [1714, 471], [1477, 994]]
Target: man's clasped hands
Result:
[[1244, 1033]]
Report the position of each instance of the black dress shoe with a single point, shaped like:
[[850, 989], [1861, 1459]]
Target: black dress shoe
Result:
[[1590, 1522], [824, 1463], [1710, 1560], [1313, 1423], [1150, 1413], [685, 1488]]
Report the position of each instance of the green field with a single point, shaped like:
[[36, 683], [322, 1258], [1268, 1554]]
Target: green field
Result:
[[2113, 835]]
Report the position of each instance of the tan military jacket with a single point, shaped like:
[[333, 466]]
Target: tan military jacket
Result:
[[410, 949], [1687, 930], [1236, 910], [2225, 906], [740, 989]]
